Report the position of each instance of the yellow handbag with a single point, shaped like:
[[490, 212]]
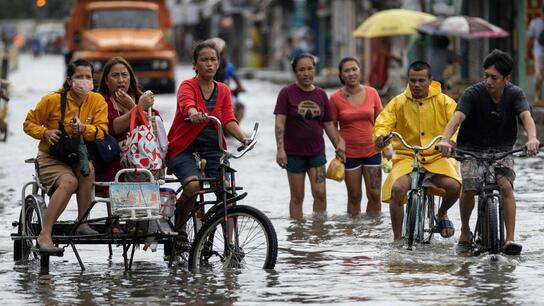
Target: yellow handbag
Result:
[[335, 170]]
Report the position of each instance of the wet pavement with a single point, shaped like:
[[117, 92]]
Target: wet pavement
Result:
[[333, 260]]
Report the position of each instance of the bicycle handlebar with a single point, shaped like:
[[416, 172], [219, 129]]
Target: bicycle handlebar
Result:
[[461, 154], [242, 150], [414, 148]]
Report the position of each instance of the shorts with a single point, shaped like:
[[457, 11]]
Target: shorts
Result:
[[51, 169], [301, 164], [353, 163], [472, 172], [184, 165]]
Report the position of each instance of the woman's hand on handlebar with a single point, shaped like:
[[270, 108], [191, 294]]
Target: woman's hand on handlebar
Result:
[[195, 116], [244, 143]]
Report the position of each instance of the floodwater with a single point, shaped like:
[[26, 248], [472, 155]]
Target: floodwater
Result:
[[334, 260]]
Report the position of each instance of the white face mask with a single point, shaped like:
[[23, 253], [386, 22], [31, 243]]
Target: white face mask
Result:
[[81, 87]]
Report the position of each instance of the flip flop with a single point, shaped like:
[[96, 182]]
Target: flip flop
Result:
[[465, 248], [512, 248], [443, 225]]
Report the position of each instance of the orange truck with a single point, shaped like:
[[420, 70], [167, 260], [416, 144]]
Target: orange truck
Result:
[[139, 31]]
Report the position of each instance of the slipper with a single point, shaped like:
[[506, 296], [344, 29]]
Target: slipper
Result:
[[464, 248], [512, 248], [443, 225]]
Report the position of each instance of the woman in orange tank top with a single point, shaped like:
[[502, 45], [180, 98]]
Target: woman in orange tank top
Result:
[[354, 108]]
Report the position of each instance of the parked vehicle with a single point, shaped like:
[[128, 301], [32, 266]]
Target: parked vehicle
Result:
[[140, 31]]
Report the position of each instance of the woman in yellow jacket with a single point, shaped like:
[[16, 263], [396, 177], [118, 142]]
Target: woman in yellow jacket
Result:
[[86, 114], [419, 114]]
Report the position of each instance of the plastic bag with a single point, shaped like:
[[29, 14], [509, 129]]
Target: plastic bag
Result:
[[335, 170], [140, 148], [387, 165]]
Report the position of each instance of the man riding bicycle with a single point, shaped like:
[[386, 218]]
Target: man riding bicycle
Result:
[[418, 114], [487, 114]]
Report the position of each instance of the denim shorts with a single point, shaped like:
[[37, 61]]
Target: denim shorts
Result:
[[303, 163], [185, 165], [353, 163]]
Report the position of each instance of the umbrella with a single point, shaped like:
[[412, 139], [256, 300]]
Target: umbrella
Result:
[[462, 26], [83, 157], [391, 22]]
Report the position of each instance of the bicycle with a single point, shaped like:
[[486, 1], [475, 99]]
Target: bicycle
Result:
[[420, 219], [226, 234], [489, 231], [34, 207]]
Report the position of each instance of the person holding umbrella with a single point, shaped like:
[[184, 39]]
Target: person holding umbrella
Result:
[[86, 115]]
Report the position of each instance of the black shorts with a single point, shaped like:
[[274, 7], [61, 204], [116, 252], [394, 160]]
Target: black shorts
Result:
[[185, 164]]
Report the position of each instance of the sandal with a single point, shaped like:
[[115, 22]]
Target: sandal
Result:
[[465, 248], [443, 225], [512, 248]]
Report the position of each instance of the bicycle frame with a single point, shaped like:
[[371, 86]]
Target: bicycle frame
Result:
[[226, 182], [488, 195], [414, 217]]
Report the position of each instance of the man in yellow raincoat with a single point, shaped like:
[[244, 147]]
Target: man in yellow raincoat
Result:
[[419, 114]]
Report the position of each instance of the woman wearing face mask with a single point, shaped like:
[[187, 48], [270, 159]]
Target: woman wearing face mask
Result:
[[119, 87], [85, 114]]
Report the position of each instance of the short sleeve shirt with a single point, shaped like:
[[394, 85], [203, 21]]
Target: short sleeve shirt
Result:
[[305, 112], [489, 125], [357, 121], [535, 28]]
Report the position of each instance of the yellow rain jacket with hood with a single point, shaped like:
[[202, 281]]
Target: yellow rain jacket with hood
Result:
[[418, 121]]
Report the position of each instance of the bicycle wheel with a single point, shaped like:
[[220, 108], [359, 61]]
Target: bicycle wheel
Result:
[[33, 226], [492, 214], [253, 242], [410, 219], [428, 214]]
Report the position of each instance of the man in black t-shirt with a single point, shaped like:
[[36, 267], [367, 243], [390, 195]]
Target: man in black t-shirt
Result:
[[487, 114]]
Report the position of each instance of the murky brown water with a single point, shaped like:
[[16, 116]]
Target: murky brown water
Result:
[[332, 260]]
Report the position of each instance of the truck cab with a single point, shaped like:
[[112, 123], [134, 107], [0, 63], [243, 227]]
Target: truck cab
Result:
[[139, 31]]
